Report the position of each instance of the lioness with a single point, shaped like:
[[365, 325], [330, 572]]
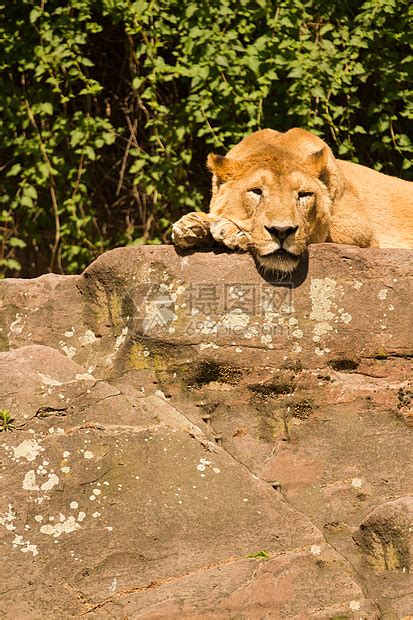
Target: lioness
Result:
[[274, 193]]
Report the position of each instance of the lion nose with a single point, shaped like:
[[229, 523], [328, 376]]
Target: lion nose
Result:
[[280, 233]]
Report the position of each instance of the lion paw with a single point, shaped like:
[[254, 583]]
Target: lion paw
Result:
[[192, 231], [226, 232]]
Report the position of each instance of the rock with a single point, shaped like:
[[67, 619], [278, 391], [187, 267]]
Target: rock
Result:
[[386, 535], [157, 397], [349, 308]]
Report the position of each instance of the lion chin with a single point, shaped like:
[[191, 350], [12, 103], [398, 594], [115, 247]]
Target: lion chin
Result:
[[278, 262]]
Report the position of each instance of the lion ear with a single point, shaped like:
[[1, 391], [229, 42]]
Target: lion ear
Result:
[[323, 165], [318, 162], [222, 167]]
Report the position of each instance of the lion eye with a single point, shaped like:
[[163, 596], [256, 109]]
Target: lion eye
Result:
[[305, 194], [256, 190]]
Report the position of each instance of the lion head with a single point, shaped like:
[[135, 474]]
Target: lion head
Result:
[[279, 190]]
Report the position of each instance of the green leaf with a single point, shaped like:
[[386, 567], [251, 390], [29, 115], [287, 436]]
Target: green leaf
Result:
[[137, 166], [47, 108], [191, 10], [14, 170], [317, 91], [137, 82], [359, 129], [35, 14], [137, 241], [140, 6], [31, 191], [14, 242], [297, 72], [76, 137], [26, 201], [221, 61], [89, 152], [10, 263]]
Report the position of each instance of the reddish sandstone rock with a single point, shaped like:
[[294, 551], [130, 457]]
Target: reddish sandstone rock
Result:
[[193, 441]]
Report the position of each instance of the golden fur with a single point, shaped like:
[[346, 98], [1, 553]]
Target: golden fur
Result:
[[274, 193]]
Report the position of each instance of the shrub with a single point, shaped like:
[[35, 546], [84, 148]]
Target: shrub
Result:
[[109, 108]]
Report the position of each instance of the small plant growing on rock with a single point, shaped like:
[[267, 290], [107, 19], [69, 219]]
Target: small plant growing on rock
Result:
[[260, 555], [6, 421]]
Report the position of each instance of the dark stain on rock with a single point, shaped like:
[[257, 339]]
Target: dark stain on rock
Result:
[[386, 545], [405, 398], [325, 378], [210, 370], [344, 365], [46, 412], [295, 366], [239, 432], [272, 388], [207, 407], [302, 410]]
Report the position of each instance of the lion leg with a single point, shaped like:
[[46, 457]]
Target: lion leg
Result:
[[192, 231], [229, 234], [352, 229]]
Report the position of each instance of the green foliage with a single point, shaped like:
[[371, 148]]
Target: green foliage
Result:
[[7, 423], [260, 555], [109, 108]]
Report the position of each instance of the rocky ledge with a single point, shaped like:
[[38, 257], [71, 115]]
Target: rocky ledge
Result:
[[184, 438]]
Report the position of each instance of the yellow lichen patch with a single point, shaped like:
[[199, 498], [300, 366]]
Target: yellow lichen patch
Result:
[[382, 354], [385, 556], [140, 358]]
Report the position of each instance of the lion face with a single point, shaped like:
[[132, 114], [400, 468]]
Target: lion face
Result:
[[281, 202]]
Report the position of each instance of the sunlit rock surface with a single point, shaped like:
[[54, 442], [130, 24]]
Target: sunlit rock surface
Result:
[[193, 440]]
